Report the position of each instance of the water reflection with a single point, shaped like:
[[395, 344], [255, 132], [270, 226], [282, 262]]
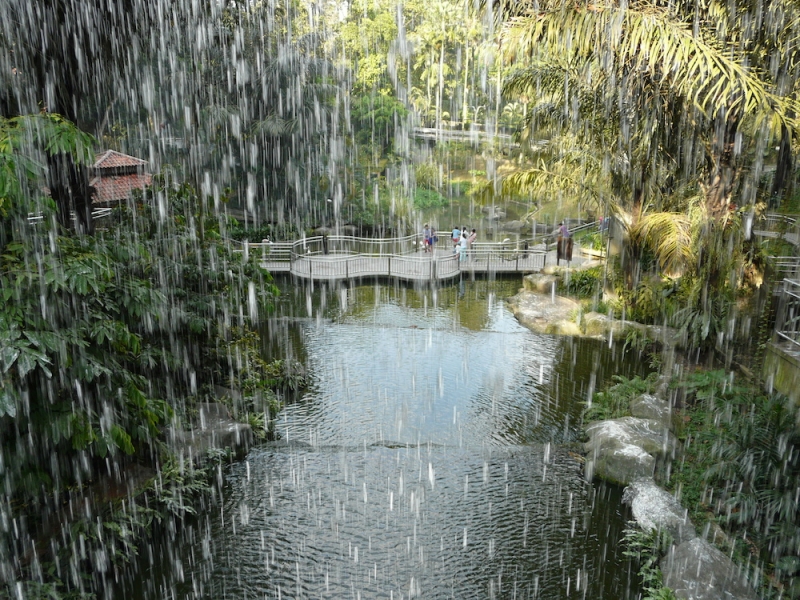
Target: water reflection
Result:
[[431, 458]]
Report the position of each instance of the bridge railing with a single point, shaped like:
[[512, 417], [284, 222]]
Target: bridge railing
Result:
[[787, 322], [270, 252], [778, 224], [411, 244], [346, 244], [343, 266], [345, 256], [786, 267]]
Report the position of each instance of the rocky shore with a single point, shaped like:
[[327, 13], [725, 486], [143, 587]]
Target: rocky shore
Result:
[[628, 451], [540, 309]]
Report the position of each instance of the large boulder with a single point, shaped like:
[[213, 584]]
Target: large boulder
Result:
[[623, 450], [515, 226], [595, 324], [214, 428], [540, 282], [655, 509], [695, 570], [647, 406], [545, 313]]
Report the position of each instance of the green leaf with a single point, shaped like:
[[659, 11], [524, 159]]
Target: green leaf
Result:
[[82, 434], [8, 354], [8, 401], [121, 439], [29, 359]]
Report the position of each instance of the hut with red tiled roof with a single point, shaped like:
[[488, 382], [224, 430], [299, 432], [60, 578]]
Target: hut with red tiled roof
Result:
[[116, 175]]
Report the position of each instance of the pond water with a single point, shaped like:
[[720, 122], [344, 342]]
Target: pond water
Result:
[[432, 457]]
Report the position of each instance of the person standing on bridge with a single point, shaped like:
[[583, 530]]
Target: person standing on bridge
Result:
[[426, 238], [462, 247], [456, 239], [564, 244], [473, 235]]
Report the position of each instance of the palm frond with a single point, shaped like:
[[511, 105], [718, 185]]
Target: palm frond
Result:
[[651, 42], [669, 234]]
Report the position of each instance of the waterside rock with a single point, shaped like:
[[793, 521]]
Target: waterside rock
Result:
[[647, 406], [515, 225], [539, 282], [695, 570], [623, 450], [594, 324], [655, 509], [545, 313]]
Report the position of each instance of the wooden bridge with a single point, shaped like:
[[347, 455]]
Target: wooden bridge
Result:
[[336, 257]]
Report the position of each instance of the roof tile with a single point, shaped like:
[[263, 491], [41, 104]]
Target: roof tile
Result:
[[111, 159], [112, 188]]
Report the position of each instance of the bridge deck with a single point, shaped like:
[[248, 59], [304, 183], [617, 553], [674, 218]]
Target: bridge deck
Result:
[[412, 267]]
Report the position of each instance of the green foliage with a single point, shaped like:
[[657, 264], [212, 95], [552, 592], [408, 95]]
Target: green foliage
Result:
[[102, 337], [375, 118], [258, 380], [178, 483], [54, 589], [740, 467], [427, 199], [647, 303], [594, 240], [647, 549], [273, 231], [428, 176], [458, 156], [582, 283], [25, 141], [615, 401]]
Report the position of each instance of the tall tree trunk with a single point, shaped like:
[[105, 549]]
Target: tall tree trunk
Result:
[[70, 189], [784, 167], [439, 91], [465, 105], [723, 174]]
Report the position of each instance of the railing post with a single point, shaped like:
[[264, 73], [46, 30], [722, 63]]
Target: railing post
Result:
[[780, 313]]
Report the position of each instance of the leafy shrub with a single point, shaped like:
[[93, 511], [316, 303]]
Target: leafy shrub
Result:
[[429, 199], [615, 401], [375, 117], [647, 549], [650, 302], [583, 283], [594, 240], [460, 188], [275, 232], [427, 176], [742, 468]]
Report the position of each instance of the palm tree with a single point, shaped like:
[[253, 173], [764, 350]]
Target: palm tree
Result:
[[666, 100]]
